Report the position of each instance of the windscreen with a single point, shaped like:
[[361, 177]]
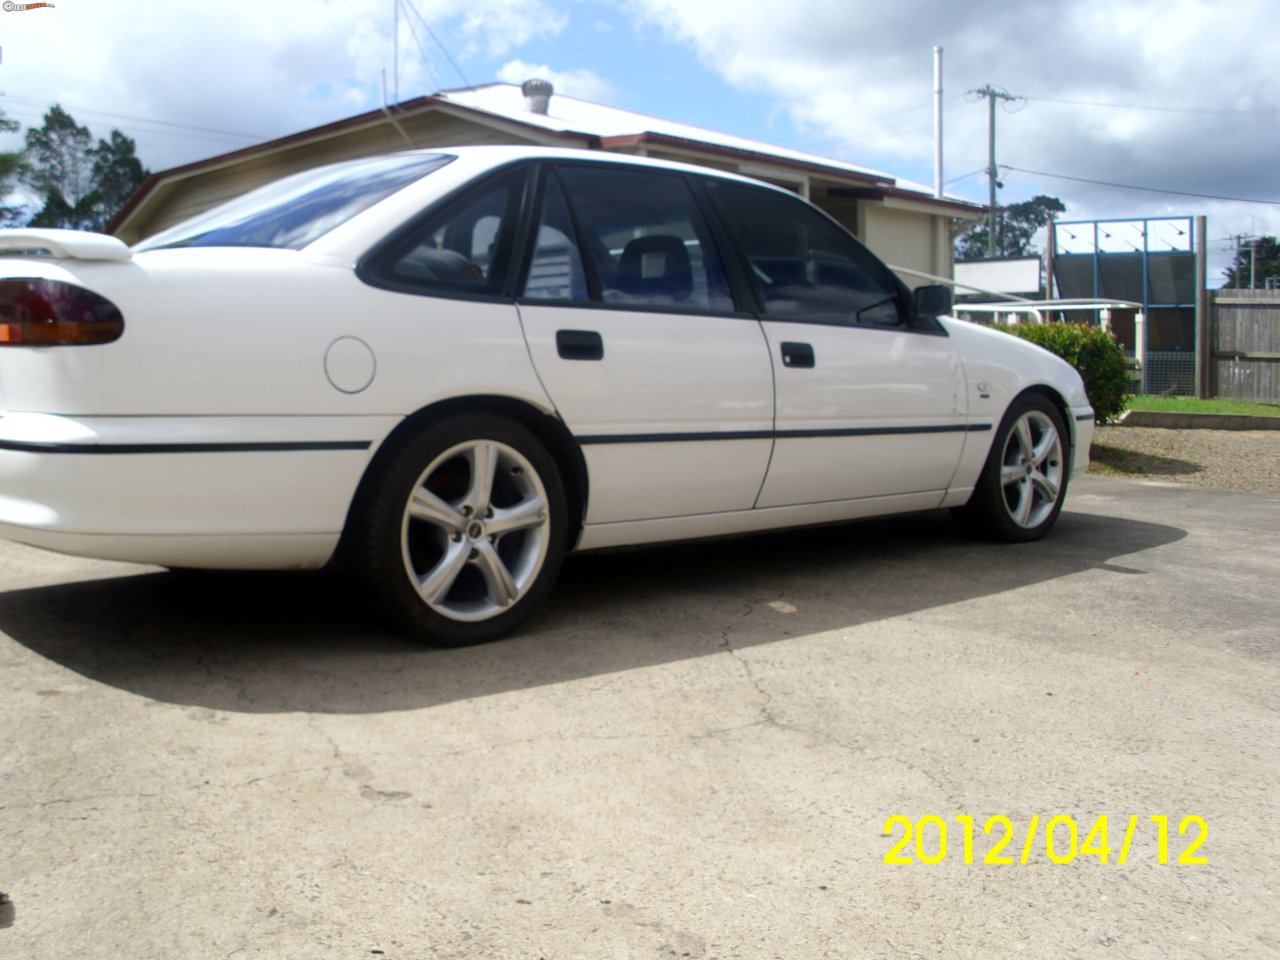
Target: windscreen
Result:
[[295, 211]]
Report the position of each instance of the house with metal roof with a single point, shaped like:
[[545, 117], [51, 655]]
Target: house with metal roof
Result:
[[903, 222]]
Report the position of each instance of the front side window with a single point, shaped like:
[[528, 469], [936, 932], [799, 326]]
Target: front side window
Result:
[[805, 267], [644, 239], [298, 210]]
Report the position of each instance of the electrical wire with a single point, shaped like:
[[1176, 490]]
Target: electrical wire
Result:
[[42, 105], [432, 34], [1159, 109], [1133, 186], [966, 176], [425, 59]]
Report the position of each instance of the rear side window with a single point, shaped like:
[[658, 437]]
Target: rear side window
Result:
[[555, 271], [462, 248], [299, 210], [642, 239], [805, 267]]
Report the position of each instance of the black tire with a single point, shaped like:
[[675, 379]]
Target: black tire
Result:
[[1020, 491], [461, 529]]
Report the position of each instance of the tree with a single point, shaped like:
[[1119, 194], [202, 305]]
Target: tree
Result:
[[59, 169], [117, 172], [10, 167], [1255, 261], [82, 185], [1017, 224]]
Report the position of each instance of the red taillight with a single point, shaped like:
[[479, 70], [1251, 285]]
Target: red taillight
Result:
[[48, 313]]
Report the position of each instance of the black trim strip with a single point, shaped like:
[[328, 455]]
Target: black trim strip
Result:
[[132, 448], [1081, 418], [677, 437], [885, 431], [780, 434]]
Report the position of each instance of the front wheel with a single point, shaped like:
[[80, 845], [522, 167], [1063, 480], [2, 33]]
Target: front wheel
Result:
[[1020, 491], [463, 530]]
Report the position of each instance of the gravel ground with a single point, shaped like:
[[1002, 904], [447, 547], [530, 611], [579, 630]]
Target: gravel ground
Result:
[[1224, 459]]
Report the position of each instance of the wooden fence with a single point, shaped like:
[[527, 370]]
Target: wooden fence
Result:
[[1246, 345]]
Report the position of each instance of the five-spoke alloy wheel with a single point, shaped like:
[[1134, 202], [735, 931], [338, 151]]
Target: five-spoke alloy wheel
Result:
[[1021, 488], [464, 529]]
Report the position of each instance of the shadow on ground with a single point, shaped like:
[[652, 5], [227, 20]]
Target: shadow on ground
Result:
[[272, 643], [1135, 463]]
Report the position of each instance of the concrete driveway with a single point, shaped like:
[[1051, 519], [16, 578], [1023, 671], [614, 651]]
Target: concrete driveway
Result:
[[694, 753]]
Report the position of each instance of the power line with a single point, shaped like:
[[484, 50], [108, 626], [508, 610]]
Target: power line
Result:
[[1133, 186], [425, 59], [431, 33], [966, 176], [1214, 111], [41, 105]]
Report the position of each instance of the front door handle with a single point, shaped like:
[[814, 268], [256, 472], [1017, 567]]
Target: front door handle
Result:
[[579, 345], [797, 354]]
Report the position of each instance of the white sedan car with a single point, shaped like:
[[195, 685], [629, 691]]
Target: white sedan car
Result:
[[446, 369]]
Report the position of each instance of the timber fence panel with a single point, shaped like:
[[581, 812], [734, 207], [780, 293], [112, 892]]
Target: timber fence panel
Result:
[[1246, 345]]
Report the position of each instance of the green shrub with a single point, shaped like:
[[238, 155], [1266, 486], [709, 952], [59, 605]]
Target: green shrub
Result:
[[1094, 353]]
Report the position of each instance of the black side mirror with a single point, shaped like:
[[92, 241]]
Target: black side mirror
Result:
[[932, 301]]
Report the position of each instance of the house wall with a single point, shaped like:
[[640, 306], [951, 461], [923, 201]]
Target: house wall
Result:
[[907, 238]]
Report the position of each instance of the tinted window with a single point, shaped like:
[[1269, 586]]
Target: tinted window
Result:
[[555, 271], [645, 240], [805, 266], [298, 210], [462, 248]]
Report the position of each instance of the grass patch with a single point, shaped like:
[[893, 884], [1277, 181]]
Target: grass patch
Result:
[[1192, 405]]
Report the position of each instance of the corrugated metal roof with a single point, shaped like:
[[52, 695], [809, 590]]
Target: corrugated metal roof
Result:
[[570, 115]]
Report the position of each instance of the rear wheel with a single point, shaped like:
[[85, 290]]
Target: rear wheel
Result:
[[1020, 491], [463, 530]]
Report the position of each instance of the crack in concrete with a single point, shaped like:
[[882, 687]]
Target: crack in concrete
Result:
[[768, 717]]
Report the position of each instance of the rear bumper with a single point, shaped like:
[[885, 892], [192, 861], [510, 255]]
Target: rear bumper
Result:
[[226, 492]]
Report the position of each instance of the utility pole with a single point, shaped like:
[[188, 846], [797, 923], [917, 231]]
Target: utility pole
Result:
[[1243, 239], [992, 95]]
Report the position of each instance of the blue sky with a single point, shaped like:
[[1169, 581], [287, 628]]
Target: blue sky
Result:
[[1167, 94]]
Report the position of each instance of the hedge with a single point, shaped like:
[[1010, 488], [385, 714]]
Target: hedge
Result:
[[1094, 353]]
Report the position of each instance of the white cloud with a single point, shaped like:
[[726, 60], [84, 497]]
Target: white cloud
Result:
[[583, 84], [853, 79], [859, 76], [259, 69]]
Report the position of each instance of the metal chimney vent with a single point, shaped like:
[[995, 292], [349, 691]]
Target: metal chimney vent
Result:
[[537, 95]]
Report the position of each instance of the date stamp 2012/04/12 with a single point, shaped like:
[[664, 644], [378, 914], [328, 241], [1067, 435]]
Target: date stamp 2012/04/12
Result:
[[1058, 839]]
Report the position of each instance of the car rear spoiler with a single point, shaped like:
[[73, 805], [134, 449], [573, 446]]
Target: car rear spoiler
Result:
[[68, 244]]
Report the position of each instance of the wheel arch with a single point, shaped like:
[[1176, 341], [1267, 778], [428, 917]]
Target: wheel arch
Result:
[[1060, 404], [547, 428]]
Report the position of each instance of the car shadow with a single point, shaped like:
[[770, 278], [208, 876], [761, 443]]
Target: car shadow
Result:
[[264, 643], [1134, 462]]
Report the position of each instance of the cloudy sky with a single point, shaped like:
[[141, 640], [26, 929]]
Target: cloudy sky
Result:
[[1168, 95]]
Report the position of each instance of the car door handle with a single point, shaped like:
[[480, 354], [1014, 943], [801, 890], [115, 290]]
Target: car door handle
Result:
[[579, 345], [797, 354]]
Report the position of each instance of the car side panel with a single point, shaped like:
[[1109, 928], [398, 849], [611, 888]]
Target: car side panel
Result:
[[880, 412], [998, 368], [675, 418]]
